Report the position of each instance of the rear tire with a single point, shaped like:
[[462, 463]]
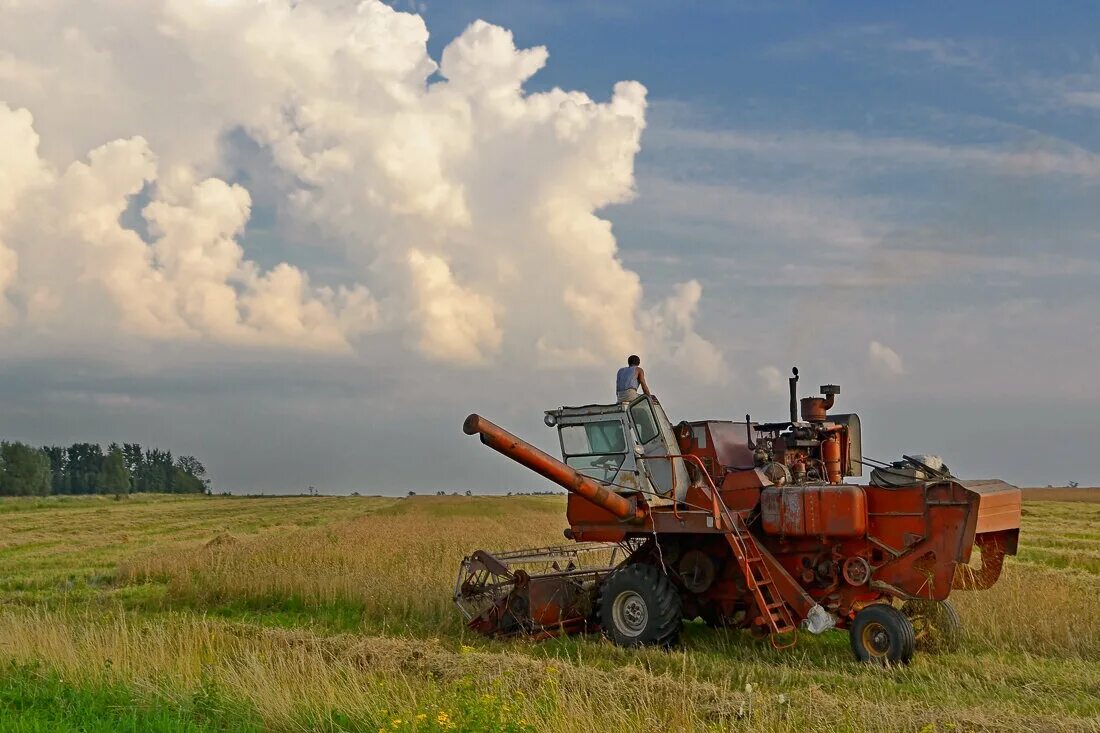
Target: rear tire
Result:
[[881, 634], [639, 606], [936, 624]]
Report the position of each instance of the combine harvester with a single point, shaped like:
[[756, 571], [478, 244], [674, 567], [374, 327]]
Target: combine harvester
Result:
[[742, 524]]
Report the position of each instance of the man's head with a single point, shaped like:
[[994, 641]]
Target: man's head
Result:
[[633, 360]]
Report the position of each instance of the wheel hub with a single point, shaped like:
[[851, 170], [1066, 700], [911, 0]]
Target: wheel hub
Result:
[[630, 613], [876, 639]]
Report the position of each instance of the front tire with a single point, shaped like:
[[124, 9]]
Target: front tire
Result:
[[881, 634], [639, 606]]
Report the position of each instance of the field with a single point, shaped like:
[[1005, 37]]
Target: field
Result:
[[156, 613]]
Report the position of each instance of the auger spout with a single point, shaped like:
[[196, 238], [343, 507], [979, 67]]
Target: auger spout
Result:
[[527, 455]]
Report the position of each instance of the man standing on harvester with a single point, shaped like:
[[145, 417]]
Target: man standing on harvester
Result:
[[628, 378]]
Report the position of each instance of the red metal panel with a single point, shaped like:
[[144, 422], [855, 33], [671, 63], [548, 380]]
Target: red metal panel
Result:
[[814, 511], [730, 443]]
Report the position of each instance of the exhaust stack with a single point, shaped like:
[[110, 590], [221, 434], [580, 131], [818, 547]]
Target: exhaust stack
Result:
[[793, 382]]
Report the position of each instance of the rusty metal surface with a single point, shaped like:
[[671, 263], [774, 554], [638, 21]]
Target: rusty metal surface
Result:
[[546, 465], [730, 442], [814, 511], [1000, 505], [542, 591], [993, 546]]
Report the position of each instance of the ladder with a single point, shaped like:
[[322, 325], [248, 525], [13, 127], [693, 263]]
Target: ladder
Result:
[[774, 611]]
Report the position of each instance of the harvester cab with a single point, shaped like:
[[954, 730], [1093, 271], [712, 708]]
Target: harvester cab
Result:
[[741, 524], [629, 447]]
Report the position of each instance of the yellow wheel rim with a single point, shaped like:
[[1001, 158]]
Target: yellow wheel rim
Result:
[[875, 639]]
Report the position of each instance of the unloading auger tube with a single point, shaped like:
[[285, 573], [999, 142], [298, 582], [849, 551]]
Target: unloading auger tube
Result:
[[525, 454]]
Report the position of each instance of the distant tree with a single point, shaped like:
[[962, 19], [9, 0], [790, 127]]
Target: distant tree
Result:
[[24, 471], [469, 493], [193, 467], [115, 477], [84, 468], [157, 475], [58, 467], [412, 493], [186, 476], [135, 458], [185, 483]]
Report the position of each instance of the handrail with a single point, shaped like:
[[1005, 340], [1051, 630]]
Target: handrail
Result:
[[715, 500]]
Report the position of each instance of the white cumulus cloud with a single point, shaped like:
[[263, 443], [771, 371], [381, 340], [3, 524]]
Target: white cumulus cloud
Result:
[[463, 207], [70, 256]]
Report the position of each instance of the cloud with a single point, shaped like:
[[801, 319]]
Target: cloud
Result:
[[772, 379], [885, 360], [458, 324], [670, 327], [1035, 157], [1087, 99], [795, 216], [70, 256], [946, 52], [461, 209]]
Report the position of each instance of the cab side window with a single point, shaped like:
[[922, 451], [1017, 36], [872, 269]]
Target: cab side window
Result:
[[645, 425]]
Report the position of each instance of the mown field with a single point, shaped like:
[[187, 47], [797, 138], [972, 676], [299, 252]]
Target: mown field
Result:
[[334, 614]]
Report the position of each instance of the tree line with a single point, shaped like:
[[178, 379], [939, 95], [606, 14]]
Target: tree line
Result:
[[86, 468]]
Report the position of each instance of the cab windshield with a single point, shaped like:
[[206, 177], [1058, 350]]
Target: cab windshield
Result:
[[596, 449]]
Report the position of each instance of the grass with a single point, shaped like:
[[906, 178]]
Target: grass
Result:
[[39, 701], [334, 614]]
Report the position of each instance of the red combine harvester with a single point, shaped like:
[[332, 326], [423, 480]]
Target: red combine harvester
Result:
[[742, 524]]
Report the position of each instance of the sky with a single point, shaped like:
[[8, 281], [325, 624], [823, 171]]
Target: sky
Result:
[[302, 240]]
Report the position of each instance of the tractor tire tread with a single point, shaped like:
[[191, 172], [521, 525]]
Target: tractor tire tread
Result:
[[665, 604], [897, 625]]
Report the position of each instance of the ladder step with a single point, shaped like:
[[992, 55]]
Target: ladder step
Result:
[[774, 611]]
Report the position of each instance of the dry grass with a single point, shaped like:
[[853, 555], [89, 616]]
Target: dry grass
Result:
[[294, 679], [1085, 494], [397, 566], [1028, 661]]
